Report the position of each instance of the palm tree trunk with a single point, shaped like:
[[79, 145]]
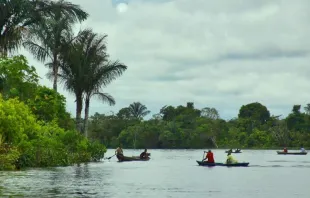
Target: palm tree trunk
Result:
[[87, 101], [55, 70], [79, 106]]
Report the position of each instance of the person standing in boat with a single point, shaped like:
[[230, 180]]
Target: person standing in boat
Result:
[[230, 159], [285, 150], [119, 153], [143, 155], [209, 157]]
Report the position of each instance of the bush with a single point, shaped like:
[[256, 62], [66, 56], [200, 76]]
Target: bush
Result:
[[38, 143]]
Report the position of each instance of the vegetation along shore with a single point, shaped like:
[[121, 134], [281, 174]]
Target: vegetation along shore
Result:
[[37, 131]]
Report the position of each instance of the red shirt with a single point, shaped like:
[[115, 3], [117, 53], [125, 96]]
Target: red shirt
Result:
[[210, 157], [285, 150]]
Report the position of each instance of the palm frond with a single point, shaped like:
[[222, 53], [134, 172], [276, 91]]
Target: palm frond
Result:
[[138, 110], [105, 97], [39, 52]]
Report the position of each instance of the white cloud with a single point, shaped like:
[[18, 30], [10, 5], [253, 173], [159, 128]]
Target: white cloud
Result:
[[218, 54]]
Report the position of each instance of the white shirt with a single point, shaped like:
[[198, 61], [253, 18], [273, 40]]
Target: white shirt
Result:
[[302, 150]]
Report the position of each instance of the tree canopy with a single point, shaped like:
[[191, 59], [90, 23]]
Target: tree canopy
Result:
[[185, 126]]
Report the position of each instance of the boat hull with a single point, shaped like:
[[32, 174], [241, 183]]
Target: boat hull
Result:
[[243, 164], [291, 153], [234, 152], [133, 158]]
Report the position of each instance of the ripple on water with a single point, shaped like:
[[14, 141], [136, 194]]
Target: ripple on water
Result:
[[170, 173]]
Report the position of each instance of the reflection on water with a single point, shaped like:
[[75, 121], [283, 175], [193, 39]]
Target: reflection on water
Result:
[[170, 173]]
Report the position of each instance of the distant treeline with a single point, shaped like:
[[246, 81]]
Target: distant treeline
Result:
[[188, 127]]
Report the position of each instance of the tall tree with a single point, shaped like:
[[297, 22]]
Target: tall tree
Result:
[[17, 15], [307, 109], [48, 39], [86, 69], [138, 110], [210, 113], [100, 71], [255, 112]]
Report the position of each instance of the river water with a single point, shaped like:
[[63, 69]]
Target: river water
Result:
[[169, 173]]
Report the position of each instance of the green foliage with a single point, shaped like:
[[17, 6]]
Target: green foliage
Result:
[[187, 127], [8, 157], [17, 78], [49, 105], [36, 143], [17, 123], [255, 112]]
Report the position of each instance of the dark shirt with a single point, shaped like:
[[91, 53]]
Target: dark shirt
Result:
[[143, 155]]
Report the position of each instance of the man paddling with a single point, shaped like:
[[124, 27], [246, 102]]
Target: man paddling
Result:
[[143, 155], [119, 153], [209, 157], [230, 159]]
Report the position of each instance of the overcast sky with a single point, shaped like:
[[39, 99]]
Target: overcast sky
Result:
[[215, 53]]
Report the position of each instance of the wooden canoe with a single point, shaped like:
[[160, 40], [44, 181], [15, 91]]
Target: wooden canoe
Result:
[[233, 152], [240, 164], [135, 158], [291, 153]]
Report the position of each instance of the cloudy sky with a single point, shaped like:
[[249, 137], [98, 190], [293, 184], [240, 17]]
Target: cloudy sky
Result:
[[220, 54]]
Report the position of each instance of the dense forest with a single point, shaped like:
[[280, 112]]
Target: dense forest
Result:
[[188, 127]]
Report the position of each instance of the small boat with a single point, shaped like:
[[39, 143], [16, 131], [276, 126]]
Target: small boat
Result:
[[241, 164], [234, 151], [291, 153], [134, 158]]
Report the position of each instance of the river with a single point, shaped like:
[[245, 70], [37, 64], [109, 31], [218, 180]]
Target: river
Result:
[[169, 173]]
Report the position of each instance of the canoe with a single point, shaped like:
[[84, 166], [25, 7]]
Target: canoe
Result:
[[241, 164], [133, 158], [234, 152], [291, 153]]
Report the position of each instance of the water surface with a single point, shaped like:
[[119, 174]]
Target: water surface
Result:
[[169, 173]]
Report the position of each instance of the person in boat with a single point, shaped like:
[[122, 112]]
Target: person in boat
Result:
[[237, 150], [285, 150], [209, 157], [230, 159], [144, 155], [119, 153], [302, 149]]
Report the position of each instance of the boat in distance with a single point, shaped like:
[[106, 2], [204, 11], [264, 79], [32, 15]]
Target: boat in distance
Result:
[[291, 153], [240, 164], [233, 152]]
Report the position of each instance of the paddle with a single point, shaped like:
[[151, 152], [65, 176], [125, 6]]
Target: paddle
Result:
[[110, 157], [203, 156]]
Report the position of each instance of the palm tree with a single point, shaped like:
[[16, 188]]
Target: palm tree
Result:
[[85, 69], [17, 15], [100, 71], [47, 40], [70, 74], [138, 110]]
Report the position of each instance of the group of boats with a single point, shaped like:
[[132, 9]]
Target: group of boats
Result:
[[204, 163]]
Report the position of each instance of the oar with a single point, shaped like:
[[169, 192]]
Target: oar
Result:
[[203, 155], [109, 157]]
